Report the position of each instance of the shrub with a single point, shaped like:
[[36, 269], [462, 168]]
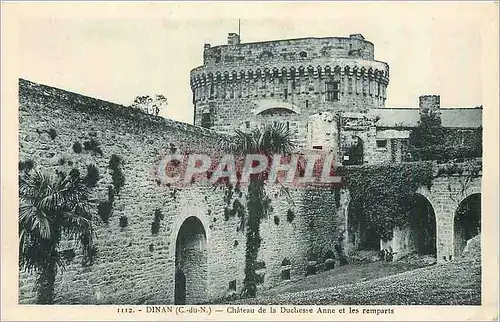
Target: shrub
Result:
[[77, 147], [52, 133], [260, 265], [312, 255], [92, 146], [123, 221], [104, 210], [68, 255], [92, 175], [26, 165], [74, 173], [116, 172], [259, 278], [155, 226], [311, 270], [290, 215], [90, 256], [111, 194], [276, 220]]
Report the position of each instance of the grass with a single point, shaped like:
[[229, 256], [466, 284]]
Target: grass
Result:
[[455, 283], [352, 273]]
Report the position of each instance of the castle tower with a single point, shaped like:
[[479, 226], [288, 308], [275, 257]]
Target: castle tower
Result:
[[242, 85]]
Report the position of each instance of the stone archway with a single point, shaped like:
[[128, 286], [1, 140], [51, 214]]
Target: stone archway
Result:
[[191, 263], [466, 223], [422, 224], [360, 234]]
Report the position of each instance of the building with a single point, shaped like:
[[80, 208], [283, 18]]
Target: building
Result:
[[315, 86], [163, 245]]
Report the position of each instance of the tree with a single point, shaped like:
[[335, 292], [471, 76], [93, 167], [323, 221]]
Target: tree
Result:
[[268, 140], [51, 208], [151, 105]]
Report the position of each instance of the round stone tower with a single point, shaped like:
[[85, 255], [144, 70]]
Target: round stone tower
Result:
[[242, 85]]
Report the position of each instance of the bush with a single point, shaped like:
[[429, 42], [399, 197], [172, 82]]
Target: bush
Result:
[[26, 165], [92, 175], [155, 226], [92, 146], [116, 172], [90, 256], [52, 133], [111, 194], [68, 255], [260, 265], [123, 221], [104, 210], [311, 270]]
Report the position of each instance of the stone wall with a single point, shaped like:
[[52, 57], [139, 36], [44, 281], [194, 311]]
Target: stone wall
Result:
[[133, 265], [445, 195], [288, 50]]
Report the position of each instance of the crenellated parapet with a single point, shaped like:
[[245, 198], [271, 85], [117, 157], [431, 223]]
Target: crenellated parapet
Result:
[[359, 77]]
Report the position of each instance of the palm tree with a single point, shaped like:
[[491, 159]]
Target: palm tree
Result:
[[268, 140], [51, 207]]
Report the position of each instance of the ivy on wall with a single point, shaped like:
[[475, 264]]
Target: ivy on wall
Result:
[[117, 176], [430, 141], [383, 194]]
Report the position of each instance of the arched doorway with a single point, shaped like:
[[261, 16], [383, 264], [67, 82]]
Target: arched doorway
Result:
[[360, 234], [191, 263], [180, 287], [467, 222], [352, 150], [422, 224]]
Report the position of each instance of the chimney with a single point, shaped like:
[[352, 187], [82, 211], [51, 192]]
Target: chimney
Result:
[[233, 39], [357, 36], [429, 106]]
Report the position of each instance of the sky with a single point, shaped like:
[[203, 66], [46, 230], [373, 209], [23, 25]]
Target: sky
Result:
[[117, 51]]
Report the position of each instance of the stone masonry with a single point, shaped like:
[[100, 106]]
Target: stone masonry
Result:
[[286, 81], [330, 93], [132, 264]]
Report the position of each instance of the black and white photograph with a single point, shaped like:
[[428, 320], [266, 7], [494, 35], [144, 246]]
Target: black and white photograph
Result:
[[225, 160]]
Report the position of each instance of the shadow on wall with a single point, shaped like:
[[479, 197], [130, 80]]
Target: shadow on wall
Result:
[[191, 263]]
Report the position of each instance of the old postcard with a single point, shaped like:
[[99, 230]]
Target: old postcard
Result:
[[250, 161]]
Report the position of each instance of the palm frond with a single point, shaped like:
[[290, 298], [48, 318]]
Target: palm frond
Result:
[[50, 206]]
